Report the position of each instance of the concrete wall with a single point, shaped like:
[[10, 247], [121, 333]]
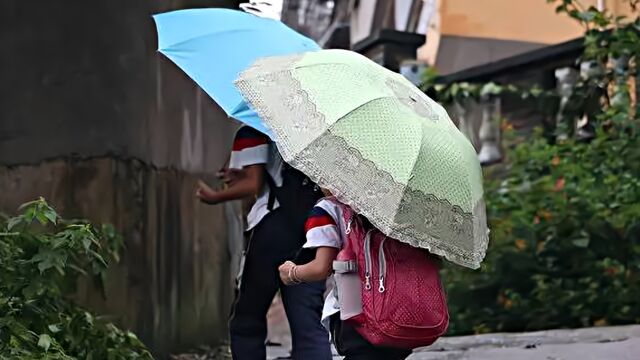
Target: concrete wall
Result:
[[457, 53], [92, 118], [520, 20], [505, 22]]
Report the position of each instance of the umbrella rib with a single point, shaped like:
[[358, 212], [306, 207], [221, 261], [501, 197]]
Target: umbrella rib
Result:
[[168, 48], [367, 103]]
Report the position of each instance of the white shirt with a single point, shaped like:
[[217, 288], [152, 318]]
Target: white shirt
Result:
[[251, 147], [326, 227]]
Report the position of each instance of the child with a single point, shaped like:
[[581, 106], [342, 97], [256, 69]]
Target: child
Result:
[[259, 174], [325, 229]]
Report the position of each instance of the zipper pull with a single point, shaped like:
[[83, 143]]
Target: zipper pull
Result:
[[382, 266], [348, 231], [367, 260]]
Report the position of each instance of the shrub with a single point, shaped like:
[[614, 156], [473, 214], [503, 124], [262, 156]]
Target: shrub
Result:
[[564, 214], [565, 244], [41, 258]]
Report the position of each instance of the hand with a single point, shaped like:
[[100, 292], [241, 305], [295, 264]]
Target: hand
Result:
[[286, 273], [230, 176], [205, 193]]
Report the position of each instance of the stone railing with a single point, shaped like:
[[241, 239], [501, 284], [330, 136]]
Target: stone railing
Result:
[[480, 122], [580, 100]]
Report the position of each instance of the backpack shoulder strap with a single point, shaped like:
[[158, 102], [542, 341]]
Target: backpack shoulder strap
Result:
[[347, 212], [272, 190], [352, 224]]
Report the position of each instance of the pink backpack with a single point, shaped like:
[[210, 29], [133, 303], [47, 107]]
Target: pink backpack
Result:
[[403, 301]]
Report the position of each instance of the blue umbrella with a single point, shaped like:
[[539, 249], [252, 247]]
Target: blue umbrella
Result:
[[214, 45]]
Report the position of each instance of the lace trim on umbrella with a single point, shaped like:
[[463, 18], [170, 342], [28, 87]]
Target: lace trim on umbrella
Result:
[[420, 219], [408, 215]]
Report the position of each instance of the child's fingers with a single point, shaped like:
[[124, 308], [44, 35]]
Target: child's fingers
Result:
[[286, 265], [200, 194], [202, 186]]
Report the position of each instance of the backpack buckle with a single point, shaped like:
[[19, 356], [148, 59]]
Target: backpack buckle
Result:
[[345, 267]]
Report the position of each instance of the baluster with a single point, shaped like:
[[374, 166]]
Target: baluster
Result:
[[465, 126], [489, 133], [566, 79]]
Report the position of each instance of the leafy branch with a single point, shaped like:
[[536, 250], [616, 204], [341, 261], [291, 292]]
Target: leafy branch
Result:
[[42, 257]]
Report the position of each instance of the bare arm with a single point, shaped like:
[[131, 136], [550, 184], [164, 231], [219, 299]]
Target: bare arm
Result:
[[318, 269], [248, 184], [224, 170]]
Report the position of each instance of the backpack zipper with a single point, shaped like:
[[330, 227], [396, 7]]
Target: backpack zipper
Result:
[[382, 268], [367, 261]]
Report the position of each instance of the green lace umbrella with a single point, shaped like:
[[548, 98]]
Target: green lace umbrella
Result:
[[379, 144]]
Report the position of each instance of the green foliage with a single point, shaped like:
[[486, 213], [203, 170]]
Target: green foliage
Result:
[[589, 17], [565, 248], [41, 257], [462, 91], [564, 213]]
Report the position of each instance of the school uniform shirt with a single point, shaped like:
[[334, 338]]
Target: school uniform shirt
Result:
[[326, 227], [251, 147]]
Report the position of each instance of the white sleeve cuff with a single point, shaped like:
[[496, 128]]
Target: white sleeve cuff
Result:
[[324, 236]]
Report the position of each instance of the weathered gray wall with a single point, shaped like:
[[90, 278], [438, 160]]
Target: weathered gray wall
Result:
[[92, 118], [87, 72], [458, 53]]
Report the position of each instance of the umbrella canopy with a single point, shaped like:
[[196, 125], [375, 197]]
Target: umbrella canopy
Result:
[[214, 45], [379, 144]]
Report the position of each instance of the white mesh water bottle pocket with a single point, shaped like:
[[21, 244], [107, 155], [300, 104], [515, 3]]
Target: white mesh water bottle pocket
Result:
[[349, 288]]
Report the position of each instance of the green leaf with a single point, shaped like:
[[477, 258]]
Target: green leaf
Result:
[[98, 257], [30, 204], [42, 219], [78, 269], [44, 342], [30, 214], [587, 16], [51, 215], [88, 318], [13, 222], [581, 243], [45, 265], [54, 329], [86, 243], [490, 89]]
